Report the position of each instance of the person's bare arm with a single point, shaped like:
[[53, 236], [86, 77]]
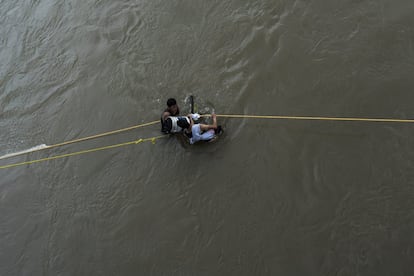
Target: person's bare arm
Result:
[[191, 123], [165, 114], [205, 127]]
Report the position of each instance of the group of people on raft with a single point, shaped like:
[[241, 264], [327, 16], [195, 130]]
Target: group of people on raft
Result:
[[172, 122]]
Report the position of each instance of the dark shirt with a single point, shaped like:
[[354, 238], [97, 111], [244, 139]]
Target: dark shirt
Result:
[[164, 127]]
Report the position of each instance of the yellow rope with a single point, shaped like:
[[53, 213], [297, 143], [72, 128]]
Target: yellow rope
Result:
[[383, 120], [85, 138], [151, 139]]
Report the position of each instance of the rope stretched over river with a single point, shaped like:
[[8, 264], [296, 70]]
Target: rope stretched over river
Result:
[[80, 140], [152, 139], [378, 120]]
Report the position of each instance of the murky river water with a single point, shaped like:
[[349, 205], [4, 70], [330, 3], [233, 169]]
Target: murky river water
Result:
[[270, 197]]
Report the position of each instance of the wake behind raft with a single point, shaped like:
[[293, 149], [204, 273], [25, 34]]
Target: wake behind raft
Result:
[[190, 126]]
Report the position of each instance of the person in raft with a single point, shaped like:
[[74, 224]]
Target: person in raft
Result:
[[195, 132], [171, 110]]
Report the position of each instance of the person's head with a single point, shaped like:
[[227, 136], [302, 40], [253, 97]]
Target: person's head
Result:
[[172, 105]]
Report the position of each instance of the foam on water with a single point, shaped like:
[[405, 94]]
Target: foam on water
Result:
[[35, 148]]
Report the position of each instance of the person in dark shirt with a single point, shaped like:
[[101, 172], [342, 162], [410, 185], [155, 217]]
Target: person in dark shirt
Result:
[[171, 110]]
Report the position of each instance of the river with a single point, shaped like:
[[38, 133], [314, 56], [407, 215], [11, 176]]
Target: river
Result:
[[269, 197]]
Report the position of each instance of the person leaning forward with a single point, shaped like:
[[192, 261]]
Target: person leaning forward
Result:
[[171, 110], [202, 132]]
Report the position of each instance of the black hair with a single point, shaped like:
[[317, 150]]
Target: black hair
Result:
[[171, 102]]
